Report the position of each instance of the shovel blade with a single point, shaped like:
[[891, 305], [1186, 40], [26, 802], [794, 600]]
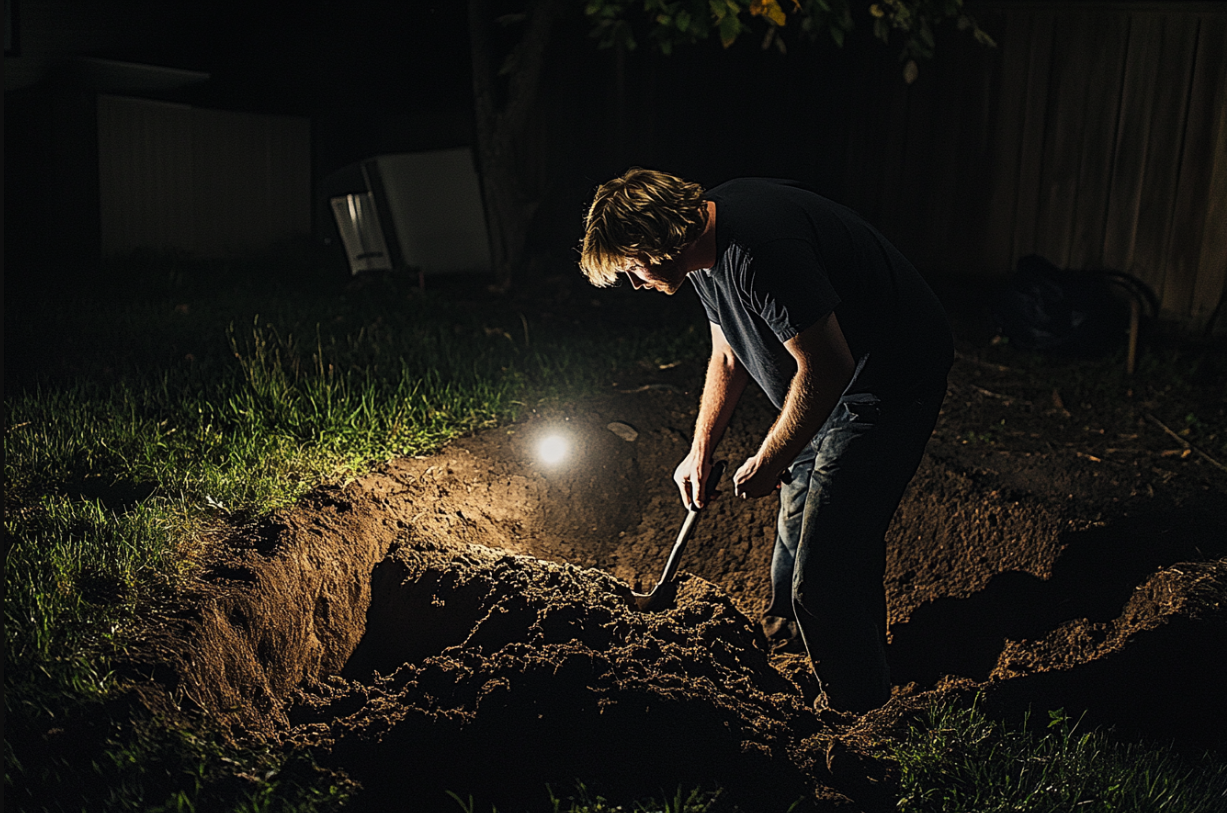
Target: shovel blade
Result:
[[665, 590], [661, 597]]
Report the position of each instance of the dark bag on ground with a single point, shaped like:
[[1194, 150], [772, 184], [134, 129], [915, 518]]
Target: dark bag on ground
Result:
[[1064, 311]]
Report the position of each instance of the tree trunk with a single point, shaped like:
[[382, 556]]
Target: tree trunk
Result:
[[509, 160]]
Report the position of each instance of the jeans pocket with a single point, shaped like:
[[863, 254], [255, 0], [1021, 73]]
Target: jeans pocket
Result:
[[864, 409]]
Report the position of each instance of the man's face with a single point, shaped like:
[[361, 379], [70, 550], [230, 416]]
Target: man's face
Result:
[[642, 273]]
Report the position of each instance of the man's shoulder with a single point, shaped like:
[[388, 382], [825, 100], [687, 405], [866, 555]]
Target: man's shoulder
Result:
[[754, 185], [769, 198]]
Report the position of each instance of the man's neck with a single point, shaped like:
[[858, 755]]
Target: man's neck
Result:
[[701, 253]]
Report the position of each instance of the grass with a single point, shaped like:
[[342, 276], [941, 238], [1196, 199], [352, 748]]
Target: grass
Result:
[[143, 417], [584, 800], [140, 419], [957, 760], [147, 766], [118, 459]]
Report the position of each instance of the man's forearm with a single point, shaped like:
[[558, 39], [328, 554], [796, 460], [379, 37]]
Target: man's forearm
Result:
[[824, 368], [807, 405], [725, 382]]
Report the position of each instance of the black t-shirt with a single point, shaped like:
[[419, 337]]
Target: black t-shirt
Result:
[[786, 257]]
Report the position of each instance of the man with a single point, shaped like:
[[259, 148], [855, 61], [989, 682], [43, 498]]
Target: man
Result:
[[847, 341]]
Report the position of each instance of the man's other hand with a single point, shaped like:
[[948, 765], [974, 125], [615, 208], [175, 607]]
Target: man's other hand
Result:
[[754, 480]]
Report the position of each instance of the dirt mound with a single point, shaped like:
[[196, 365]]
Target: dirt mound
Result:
[[1151, 671], [547, 673], [462, 622]]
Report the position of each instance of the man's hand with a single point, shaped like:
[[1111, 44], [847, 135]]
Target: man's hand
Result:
[[754, 480], [691, 478], [824, 368]]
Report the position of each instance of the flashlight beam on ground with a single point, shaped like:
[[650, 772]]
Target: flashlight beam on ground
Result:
[[552, 449]]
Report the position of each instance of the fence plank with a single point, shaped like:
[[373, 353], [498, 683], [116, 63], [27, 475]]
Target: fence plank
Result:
[[920, 135], [1211, 282], [1015, 42], [963, 232], [1132, 140], [1031, 152], [1162, 158], [1071, 64], [864, 169], [897, 99], [949, 202], [1105, 76], [1191, 229]]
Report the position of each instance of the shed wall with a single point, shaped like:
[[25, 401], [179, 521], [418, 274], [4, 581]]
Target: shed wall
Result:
[[207, 182]]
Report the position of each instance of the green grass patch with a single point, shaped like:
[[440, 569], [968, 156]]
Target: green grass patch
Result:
[[957, 760], [151, 767], [142, 418], [120, 448], [585, 800]]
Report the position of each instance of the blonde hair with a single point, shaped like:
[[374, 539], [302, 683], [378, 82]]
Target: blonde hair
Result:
[[643, 214]]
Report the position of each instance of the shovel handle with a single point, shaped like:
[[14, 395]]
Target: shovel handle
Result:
[[713, 478], [692, 514]]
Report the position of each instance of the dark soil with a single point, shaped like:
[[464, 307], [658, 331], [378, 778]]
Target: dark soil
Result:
[[464, 622]]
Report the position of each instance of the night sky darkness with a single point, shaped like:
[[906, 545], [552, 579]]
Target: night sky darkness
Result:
[[318, 56]]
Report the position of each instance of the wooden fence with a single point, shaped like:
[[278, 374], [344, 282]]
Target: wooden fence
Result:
[[1094, 135]]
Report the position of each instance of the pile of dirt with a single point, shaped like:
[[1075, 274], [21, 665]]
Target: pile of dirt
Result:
[[463, 622], [544, 673]]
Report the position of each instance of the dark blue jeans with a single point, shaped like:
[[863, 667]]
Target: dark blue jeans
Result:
[[830, 550]]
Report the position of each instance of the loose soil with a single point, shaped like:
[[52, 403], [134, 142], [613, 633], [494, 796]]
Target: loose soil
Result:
[[464, 621]]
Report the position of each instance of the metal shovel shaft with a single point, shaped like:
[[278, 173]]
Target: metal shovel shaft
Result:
[[675, 556], [649, 601]]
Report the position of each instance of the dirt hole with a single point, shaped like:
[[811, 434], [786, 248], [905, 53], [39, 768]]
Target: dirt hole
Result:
[[463, 623]]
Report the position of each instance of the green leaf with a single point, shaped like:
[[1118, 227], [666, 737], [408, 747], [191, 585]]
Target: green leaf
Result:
[[730, 27], [625, 35]]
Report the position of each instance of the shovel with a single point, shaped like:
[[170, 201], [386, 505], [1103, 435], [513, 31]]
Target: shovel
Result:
[[658, 597]]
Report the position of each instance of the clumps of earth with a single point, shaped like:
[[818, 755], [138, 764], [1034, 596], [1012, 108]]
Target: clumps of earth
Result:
[[464, 622]]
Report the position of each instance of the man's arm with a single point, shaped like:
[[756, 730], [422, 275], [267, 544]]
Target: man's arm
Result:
[[824, 368], [726, 381]]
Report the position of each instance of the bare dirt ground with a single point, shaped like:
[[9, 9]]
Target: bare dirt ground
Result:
[[463, 622]]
